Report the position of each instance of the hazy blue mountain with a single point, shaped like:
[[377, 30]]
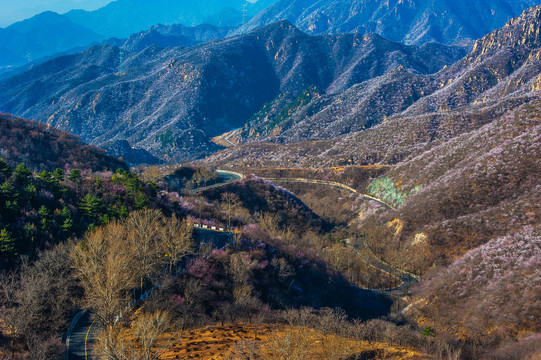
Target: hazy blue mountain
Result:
[[122, 18], [170, 36], [49, 33], [44, 34], [409, 21]]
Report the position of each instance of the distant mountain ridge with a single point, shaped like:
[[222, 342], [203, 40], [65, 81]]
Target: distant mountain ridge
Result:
[[49, 33], [173, 101], [141, 23], [170, 36], [122, 18], [410, 21]]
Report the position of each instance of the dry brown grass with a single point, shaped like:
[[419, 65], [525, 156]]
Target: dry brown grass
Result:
[[220, 342]]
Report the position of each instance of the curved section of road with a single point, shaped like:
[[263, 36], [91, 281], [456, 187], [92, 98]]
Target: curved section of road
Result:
[[81, 337], [227, 177], [405, 278], [334, 184], [226, 139]]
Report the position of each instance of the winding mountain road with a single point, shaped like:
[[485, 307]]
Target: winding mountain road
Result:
[[81, 338], [226, 177], [333, 184]]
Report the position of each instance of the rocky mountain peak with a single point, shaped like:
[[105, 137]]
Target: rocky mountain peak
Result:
[[523, 31]]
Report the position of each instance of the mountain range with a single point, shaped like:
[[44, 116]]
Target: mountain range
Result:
[[49, 33], [172, 101], [122, 18], [170, 36], [501, 73], [410, 21], [42, 35], [362, 162], [337, 90], [413, 22]]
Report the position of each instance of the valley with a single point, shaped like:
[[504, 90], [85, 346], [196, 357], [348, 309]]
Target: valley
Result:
[[272, 180]]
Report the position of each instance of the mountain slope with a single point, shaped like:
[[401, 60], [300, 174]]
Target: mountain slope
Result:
[[42, 147], [173, 101], [413, 22]]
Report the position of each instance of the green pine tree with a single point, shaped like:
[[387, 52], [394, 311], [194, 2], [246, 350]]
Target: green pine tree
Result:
[[74, 175], [8, 191], [8, 199], [30, 192], [5, 168], [45, 176], [67, 226], [428, 332], [91, 206], [45, 221], [58, 174], [22, 174], [141, 201], [7, 243], [30, 232]]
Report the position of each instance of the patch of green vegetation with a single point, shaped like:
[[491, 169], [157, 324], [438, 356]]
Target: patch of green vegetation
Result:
[[385, 189], [167, 140], [303, 99]]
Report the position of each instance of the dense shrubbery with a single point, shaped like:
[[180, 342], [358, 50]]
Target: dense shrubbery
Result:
[[488, 298]]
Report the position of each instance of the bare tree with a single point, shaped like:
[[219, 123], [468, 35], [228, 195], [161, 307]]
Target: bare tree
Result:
[[143, 236], [148, 328], [331, 338], [292, 344], [246, 300], [230, 203], [111, 344], [106, 269], [177, 240], [43, 348], [9, 285], [270, 223], [246, 350], [36, 302]]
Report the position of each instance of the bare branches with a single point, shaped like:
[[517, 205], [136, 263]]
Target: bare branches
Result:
[[143, 238], [177, 240], [106, 269], [230, 203], [148, 328]]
